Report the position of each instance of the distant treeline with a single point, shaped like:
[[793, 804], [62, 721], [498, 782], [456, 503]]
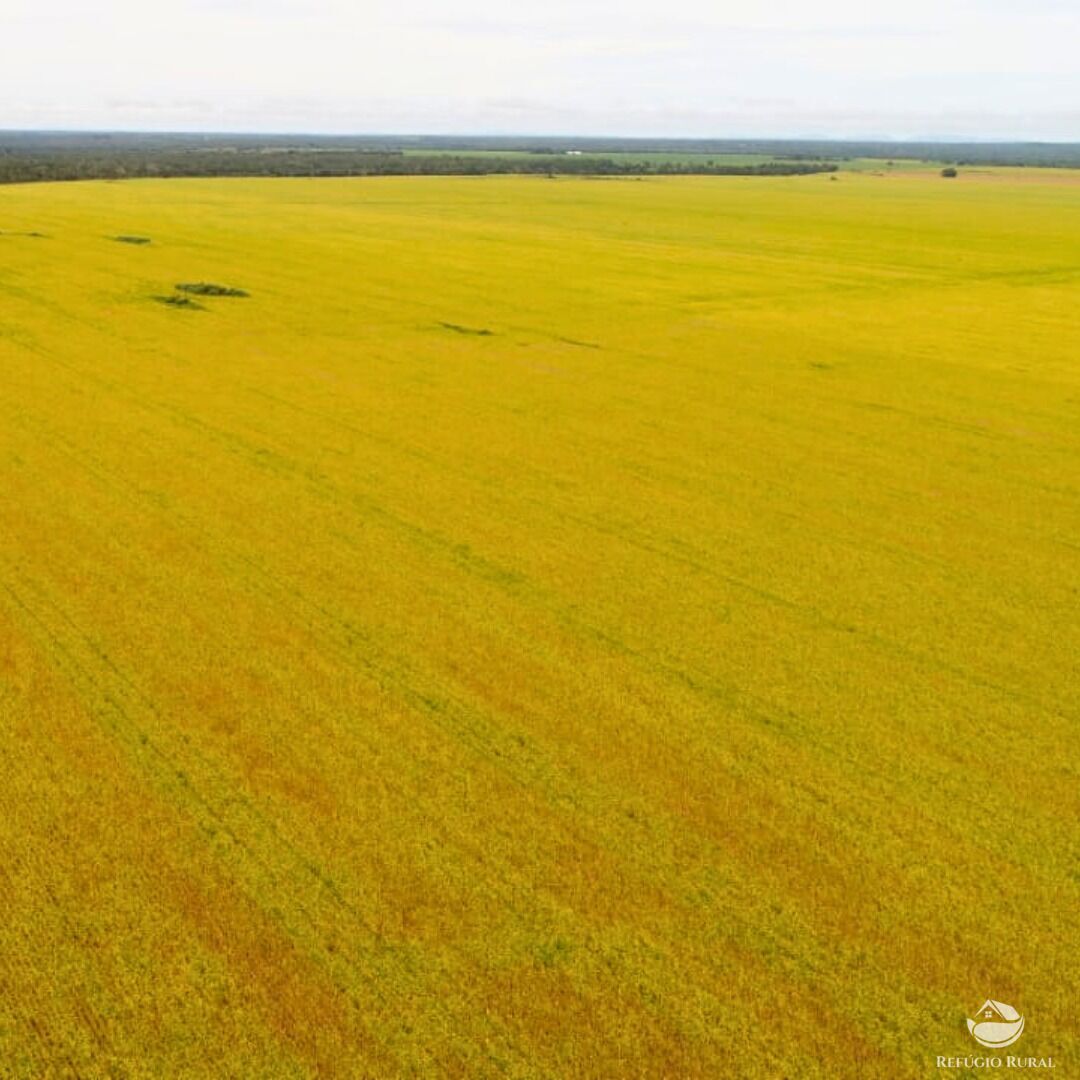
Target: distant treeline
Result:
[[29, 156], [22, 164], [954, 152]]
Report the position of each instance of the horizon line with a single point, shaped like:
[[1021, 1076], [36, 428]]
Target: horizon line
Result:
[[550, 135]]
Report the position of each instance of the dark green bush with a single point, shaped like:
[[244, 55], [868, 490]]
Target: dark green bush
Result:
[[179, 302], [205, 288]]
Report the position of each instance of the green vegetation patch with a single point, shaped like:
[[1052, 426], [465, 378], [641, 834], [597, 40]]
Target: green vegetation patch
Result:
[[180, 302], [475, 331], [205, 288]]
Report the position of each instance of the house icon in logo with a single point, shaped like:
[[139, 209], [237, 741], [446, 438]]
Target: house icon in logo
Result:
[[996, 1025]]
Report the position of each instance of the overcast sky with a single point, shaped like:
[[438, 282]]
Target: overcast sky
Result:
[[984, 68]]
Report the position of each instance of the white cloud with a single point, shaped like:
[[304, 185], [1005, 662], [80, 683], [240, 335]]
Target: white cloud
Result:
[[978, 67]]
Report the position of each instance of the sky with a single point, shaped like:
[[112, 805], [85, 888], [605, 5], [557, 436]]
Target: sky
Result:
[[994, 69]]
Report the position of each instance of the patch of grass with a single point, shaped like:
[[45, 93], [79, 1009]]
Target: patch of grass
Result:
[[474, 331], [179, 302], [579, 344], [136, 240], [205, 288]]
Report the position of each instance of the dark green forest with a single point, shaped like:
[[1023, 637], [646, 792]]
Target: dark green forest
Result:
[[21, 166], [39, 156]]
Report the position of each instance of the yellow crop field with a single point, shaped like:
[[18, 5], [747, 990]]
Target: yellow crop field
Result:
[[545, 628]]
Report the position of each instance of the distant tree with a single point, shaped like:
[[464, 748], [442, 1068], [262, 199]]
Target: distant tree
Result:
[[950, 173]]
